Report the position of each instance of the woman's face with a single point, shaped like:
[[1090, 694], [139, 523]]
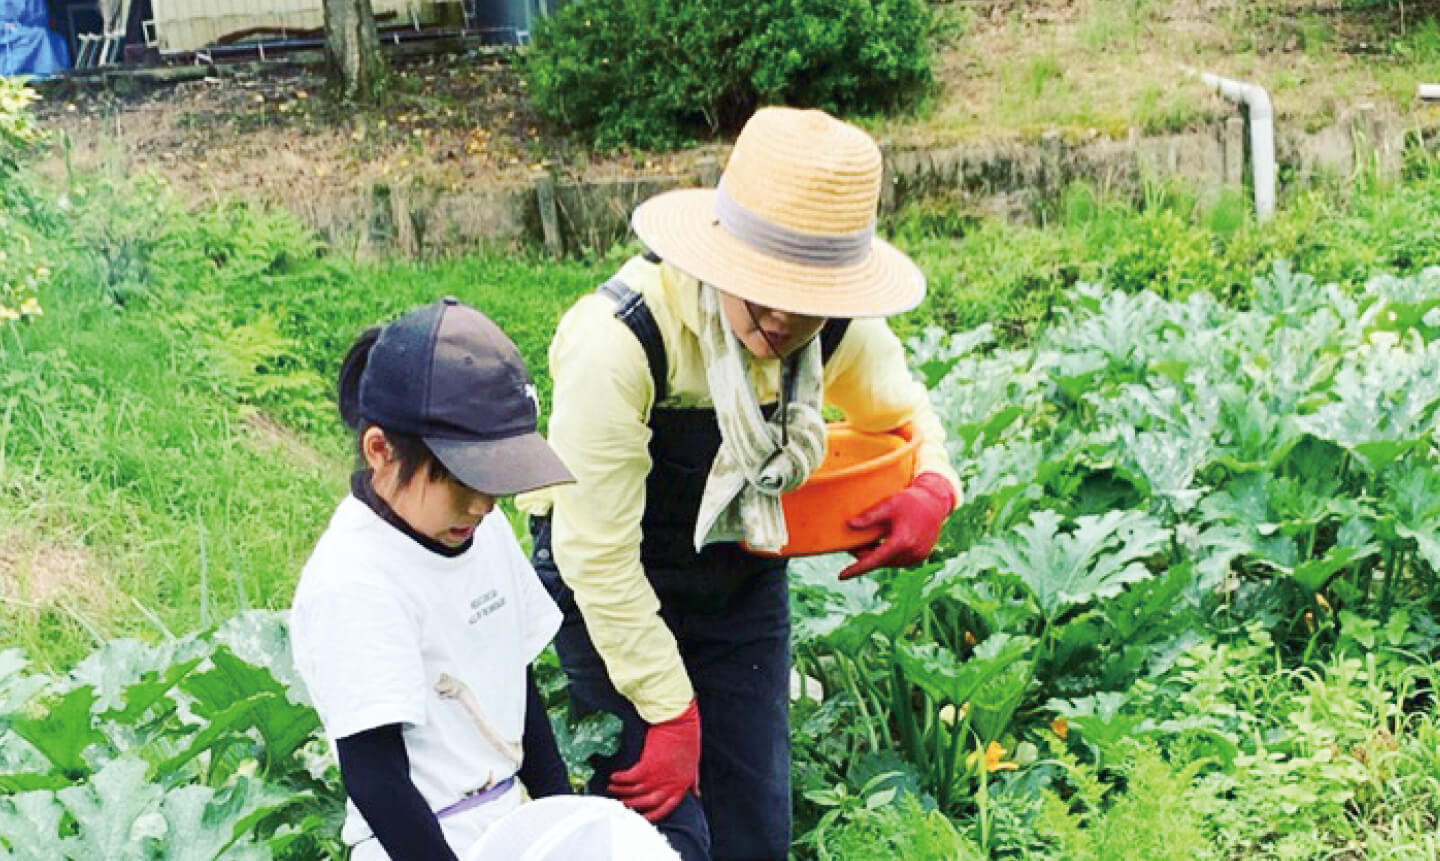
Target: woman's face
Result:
[[765, 332], [442, 509]]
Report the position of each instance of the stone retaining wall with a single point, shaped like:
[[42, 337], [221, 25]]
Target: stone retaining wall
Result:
[[1014, 181]]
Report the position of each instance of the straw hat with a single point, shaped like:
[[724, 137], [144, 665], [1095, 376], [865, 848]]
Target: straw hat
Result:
[[791, 225]]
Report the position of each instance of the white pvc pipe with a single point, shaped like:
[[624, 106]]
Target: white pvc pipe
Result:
[[1429, 93], [1262, 136]]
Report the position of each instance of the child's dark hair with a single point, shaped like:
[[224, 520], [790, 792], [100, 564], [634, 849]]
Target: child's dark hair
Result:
[[411, 452]]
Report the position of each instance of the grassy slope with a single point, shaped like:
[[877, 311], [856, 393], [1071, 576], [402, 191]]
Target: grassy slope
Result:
[[1103, 67], [168, 461], [985, 270]]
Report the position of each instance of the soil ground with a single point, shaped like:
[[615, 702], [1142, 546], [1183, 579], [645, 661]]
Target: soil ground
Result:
[[1006, 70]]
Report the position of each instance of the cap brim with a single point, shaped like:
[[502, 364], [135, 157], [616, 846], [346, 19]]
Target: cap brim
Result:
[[501, 467], [681, 227]]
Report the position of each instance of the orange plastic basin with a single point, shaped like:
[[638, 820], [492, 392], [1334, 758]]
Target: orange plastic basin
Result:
[[859, 470]]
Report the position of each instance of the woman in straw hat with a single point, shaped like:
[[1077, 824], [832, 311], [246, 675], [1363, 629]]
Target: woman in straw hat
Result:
[[688, 396]]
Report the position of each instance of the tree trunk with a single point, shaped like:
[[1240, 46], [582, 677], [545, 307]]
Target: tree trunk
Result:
[[352, 49]]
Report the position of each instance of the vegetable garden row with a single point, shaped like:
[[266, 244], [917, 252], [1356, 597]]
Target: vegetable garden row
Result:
[[1165, 497]]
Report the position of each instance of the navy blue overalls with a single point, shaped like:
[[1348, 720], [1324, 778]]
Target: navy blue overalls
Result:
[[729, 612]]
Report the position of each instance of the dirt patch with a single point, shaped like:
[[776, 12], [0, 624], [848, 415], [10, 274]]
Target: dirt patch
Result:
[[40, 573], [449, 124], [266, 435]]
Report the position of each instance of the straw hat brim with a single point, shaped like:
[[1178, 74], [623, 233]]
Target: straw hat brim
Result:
[[680, 226]]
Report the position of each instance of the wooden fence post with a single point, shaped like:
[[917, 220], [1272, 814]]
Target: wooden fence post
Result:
[[549, 215], [402, 216], [1235, 152], [708, 172], [889, 181]]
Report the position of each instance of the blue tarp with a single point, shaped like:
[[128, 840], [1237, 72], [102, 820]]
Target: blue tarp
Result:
[[26, 46]]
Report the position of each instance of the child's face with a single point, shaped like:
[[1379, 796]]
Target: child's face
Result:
[[442, 509]]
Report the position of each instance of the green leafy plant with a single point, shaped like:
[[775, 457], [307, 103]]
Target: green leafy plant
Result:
[[654, 75], [1060, 570], [202, 747], [595, 735], [1160, 814], [884, 819], [1200, 511], [197, 748], [23, 274]]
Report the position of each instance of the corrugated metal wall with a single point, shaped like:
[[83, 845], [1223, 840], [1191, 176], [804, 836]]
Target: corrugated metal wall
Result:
[[510, 21], [189, 25]]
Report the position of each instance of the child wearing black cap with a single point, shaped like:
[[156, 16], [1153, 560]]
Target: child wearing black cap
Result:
[[417, 614]]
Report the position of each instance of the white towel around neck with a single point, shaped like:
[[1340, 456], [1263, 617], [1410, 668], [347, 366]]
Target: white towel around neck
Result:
[[755, 464]]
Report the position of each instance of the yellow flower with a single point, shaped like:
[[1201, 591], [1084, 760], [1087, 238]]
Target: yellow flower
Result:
[[8, 314], [31, 307], [993, 761], [1061, 727]]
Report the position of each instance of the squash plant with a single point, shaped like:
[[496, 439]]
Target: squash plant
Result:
[[1145, 475], [200, 747], [204, 747]]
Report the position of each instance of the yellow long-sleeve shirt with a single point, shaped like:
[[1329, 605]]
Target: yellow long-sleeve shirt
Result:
[[602, 401]]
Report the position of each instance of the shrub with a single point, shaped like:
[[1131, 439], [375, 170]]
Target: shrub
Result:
[[655, 73]]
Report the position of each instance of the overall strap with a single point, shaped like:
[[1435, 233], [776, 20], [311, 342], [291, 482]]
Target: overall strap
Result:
[[830, 336], [630, 309]]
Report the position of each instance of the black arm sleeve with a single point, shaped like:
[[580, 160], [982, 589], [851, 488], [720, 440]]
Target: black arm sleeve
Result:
[[543, 771], [376, 771]]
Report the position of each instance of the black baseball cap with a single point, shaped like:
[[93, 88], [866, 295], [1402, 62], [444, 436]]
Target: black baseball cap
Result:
[[450, 376]]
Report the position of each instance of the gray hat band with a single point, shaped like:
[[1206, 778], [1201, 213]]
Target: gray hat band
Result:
[[777, 240]]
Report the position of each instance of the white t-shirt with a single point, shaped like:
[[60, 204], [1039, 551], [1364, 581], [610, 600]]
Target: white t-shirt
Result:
[[378, 619]]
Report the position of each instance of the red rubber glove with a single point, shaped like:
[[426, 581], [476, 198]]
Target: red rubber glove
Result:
[[669, 767], [914, 517]]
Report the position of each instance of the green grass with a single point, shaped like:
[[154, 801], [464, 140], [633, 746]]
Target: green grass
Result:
[[170, 450], [1317, 62], [1165, 110], [125, 454], [1117, 24], [1038, 95], [1172, 240]]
